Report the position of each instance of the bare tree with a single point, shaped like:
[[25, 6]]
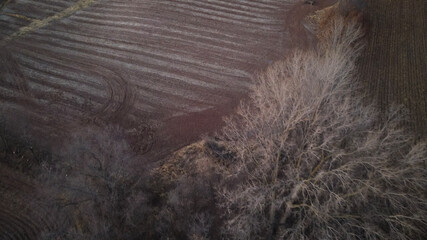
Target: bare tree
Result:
[[94, 186], [311, 160]]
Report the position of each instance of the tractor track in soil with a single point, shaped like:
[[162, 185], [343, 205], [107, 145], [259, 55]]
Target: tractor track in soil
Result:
[[20, 216]]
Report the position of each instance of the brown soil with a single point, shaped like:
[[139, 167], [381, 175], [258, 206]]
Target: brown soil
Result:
[[184, 66], [393, 65]]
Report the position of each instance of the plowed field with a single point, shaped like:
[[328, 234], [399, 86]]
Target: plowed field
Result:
[[123, 61], [394, 65]]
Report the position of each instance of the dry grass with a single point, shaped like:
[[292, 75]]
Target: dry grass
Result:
[[36, 23]]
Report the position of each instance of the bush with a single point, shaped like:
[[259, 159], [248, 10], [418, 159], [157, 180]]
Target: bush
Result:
[[311, 160]]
